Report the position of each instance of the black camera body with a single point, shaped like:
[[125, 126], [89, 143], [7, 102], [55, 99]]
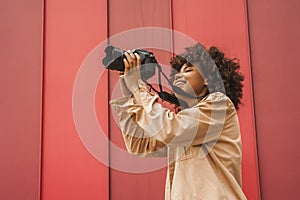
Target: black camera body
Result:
[[114, 61]]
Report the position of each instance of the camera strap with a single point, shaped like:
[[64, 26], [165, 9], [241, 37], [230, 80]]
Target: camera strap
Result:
[[171, 98]]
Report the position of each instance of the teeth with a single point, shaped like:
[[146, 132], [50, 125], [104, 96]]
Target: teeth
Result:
[[179, 82]]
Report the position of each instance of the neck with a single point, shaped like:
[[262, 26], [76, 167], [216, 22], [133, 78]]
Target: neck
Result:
[[193, 101]]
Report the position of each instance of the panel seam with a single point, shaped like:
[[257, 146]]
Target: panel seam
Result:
[[108, 113], [253, 97], [42, 98]]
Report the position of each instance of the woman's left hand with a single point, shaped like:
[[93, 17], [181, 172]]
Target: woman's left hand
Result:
[[132, 71]]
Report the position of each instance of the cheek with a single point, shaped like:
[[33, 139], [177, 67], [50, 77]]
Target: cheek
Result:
[[196, 78], [197, 84]]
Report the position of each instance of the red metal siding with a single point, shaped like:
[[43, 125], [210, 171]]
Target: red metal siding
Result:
[[20, 98], [224, 24], [72, 30], [275, 41], [125, 15]]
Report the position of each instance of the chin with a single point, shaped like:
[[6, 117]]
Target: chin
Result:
[[178, 96], [182, 97]]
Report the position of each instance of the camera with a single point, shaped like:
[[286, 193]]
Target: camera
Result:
[[114, 61]]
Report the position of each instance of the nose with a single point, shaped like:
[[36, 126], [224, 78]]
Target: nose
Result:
[[178, 76]]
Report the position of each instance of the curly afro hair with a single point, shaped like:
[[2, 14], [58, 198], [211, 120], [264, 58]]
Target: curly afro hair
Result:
[[221, 73]]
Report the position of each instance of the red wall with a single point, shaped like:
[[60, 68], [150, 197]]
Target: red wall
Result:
[[72, 29], [126, 185], [20, 98], [224, 24], [47, 55], [275, 41]]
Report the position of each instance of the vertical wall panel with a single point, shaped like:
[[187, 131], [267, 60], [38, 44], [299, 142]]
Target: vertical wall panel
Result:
[[72, 30], [123, 16], [20, 98], [224, 24], [275, 41]]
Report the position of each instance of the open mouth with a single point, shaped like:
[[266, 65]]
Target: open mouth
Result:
[[179, 83]]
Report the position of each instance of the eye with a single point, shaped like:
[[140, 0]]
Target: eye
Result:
[[188, 70]]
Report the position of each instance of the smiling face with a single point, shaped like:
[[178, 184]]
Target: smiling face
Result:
[[190, 81]]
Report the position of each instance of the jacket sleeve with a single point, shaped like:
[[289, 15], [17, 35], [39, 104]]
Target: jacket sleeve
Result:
[[137, 141], [193, 126]]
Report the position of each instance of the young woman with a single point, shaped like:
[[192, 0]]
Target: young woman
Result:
[[202, 141]]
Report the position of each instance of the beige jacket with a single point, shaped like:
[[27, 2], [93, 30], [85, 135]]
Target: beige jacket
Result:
[[202, 143]]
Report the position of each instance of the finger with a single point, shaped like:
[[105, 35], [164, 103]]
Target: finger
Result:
[[138, 59], [132, 60], [129, 60], [126, 66]]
